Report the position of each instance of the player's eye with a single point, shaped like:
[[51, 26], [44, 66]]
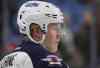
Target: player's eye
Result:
[[35, 27]]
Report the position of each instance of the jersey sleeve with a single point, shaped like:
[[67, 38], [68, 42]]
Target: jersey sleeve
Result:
[[16, 60]]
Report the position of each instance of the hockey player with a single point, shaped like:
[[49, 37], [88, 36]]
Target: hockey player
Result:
[[39, 21]]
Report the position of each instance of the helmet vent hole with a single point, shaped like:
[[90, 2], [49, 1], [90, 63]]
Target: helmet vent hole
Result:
[[24, 27], [23, 22], [23, 12], [47, 6], [43, 26], [47, 15], [54, 16], [20, 16]]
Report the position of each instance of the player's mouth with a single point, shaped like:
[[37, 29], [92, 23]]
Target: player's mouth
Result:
[[36, 36]]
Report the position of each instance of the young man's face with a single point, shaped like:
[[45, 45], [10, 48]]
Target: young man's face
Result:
[[36, 32], [53, 33]]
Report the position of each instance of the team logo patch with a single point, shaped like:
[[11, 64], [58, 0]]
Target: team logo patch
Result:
[[7, 61], [52, 60]]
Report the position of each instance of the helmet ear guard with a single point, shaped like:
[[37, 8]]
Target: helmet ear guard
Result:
[[38, 12]]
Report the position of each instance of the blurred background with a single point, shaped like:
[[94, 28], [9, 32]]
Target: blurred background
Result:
[[80, 44]]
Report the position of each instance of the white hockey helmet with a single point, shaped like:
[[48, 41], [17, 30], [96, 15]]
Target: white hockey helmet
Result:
[[38, 12]]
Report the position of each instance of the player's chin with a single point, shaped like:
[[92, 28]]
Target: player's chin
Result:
[[37, 38]]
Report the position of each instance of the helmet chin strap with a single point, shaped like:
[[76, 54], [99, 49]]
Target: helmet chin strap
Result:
[[37, 42]]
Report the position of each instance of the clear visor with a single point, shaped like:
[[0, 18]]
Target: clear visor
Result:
[[56, 26], [37, 33]]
